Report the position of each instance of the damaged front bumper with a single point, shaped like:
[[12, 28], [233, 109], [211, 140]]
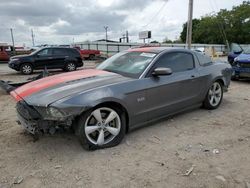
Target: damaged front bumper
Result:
[[31, 120], [243, 72]]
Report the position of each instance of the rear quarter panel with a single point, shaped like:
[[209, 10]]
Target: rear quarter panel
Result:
[[212, 72]]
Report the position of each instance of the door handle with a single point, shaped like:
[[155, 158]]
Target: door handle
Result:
[[50, 57], [192, 76]]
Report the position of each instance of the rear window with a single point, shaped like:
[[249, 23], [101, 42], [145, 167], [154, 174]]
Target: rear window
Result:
[[203, 59]]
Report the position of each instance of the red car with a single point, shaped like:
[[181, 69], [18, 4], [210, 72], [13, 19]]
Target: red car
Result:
[[89, 54], [4, 56]]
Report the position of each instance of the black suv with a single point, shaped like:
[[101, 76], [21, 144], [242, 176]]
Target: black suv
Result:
[[67, 59]]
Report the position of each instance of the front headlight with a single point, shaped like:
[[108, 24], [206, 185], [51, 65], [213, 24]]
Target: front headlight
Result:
[[54, 112], [51, 113], [14, 59]]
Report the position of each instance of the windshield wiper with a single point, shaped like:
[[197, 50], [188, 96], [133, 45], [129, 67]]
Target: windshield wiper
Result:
[[111, 71]]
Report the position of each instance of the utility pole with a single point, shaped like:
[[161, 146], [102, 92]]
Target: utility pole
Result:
[[32, 37], [13, 42], [106, 31], [189, 25], [127, 39]]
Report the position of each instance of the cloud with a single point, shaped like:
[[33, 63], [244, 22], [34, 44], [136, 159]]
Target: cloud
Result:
[[60, 21]]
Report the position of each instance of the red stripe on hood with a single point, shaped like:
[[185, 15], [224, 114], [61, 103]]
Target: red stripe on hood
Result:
[[50, 81]]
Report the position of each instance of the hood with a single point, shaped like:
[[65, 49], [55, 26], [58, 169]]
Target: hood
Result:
[[244, 58], [50, 89], [20, 56]]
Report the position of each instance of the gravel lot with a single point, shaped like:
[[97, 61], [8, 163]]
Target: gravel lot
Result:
[[213, 145]]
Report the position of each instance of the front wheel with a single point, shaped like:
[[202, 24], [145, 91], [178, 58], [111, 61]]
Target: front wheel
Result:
[[214, 96], [101, 127], [26, 68]]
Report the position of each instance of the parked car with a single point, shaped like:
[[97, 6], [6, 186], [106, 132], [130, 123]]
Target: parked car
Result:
[[241, 65], [200, 50], [128, 90], [67, 59], [236, 50], [89, 53], [4, 56]]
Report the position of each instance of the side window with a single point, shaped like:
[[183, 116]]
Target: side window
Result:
[[203, 59], [59, 52], [73, 52], [177, 61], [44, 52]]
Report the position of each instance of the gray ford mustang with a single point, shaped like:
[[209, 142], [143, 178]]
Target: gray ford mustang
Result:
[[128, 90]]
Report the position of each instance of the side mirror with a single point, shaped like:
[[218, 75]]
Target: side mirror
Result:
[[37, 55], [161, 71]]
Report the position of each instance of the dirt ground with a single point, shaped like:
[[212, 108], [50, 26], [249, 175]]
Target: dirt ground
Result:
[[213, 145]]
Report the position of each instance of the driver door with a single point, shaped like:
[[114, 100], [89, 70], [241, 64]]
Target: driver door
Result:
[[171, 93], [44, 58]]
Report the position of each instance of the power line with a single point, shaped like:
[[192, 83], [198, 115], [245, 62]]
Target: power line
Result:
[[156, 14], [220, 26]]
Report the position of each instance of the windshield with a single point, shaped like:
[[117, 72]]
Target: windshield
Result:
[[130, 64], [236, 48], [247, 51], [32, 53]]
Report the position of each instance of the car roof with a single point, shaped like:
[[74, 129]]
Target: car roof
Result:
[[157, 49]]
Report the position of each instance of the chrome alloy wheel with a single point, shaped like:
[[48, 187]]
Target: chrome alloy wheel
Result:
[[26, 69], [215, 94], [71, 66], [102, 126]]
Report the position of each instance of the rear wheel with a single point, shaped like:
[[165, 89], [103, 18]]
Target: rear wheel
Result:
[[101, 127], [91, 56], [26, 68], [214, 96], [70, 66]]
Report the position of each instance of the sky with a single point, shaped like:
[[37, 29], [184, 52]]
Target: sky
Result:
[[68, 21]]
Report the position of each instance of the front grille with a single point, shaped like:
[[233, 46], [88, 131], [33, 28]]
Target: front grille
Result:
[[245, 65], [26, 111]]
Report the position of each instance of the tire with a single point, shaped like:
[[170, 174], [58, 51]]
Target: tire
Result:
[[91, 57], [26, 68], [96, 134], [214, 96], [70, 66]]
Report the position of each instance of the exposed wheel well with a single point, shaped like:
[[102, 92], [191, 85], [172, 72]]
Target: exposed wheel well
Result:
[[220, 81], [119, 106]]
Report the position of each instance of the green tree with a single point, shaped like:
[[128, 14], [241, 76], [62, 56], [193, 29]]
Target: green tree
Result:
[[184, 30], [154, 42], [233, 25]]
